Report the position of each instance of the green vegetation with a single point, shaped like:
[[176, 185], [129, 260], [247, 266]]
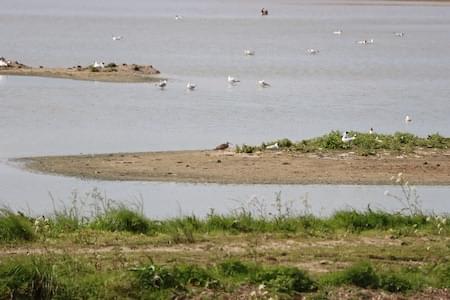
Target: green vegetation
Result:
[[14, 227], [62, 277], [364, 143], [102, 249]]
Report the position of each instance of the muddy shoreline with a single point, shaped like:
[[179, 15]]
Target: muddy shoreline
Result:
[[424, 167]]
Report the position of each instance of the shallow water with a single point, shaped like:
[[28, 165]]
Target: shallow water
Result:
[[32, 192], [346, 86]]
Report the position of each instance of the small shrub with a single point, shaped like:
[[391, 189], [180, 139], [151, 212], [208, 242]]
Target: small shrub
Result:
[[155, 277], [285, 279], [362, 275], [233, 267], [15, 227], [394, 283], [111, 65], [122, 219], [284, 143], [246, 149]]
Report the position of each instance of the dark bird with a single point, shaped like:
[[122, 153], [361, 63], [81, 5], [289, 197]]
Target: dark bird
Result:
[[222, 146]]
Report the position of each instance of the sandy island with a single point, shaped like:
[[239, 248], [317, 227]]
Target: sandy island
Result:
[[102, 72], [425, 167]]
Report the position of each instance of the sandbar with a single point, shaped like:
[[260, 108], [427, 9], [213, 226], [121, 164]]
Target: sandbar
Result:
[[422, 167], [104, 72]]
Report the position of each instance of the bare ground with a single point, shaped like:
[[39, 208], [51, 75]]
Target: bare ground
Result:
[[425, 167]]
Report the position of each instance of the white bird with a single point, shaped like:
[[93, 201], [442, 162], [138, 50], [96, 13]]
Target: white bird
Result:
[[233, 80], [371, 131], [177, 17], [162, 84], [399, 34], [249, 52], [408, 119], [263, 83], [98, 65], [346, 138], [190, 86], [273, 147], [3, 63], [312, 51], [365, 42], [337, 32], [117, 37]]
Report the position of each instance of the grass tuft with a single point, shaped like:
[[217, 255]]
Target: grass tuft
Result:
[[15, 227]]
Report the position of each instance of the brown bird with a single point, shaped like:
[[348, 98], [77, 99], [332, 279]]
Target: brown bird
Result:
[[222, 146]]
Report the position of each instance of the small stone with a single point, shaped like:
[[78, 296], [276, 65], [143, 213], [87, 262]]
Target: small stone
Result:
[[219, 161]]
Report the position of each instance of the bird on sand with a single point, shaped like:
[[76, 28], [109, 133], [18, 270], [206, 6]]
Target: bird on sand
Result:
[[273, 146], [223, 146]]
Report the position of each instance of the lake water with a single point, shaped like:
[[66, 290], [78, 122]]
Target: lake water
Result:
[[346, 86]]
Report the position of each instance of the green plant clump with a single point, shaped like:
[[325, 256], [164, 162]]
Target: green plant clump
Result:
[[122, 219], [15, 227]]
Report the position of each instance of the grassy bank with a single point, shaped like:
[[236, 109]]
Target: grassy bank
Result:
[[106, 249], [364, 143]]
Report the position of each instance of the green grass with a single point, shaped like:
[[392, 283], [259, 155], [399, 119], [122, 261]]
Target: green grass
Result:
[[119, 218], [15, 227], [65, 277], [122, 219], [364, 143]]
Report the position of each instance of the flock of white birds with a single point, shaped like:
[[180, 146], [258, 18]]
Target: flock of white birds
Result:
[[346, 138]]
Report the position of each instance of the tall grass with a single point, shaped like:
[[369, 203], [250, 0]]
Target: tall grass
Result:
[[15, 227], [28, 278]]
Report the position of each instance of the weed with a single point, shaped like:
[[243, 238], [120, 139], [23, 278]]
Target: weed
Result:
[[394, 283], [285, 279]]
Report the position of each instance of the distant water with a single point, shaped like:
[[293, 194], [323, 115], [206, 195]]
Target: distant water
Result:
[[346, 86]]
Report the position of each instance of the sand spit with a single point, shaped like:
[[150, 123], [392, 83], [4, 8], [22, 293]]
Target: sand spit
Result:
[[427, 167], [96, 72]]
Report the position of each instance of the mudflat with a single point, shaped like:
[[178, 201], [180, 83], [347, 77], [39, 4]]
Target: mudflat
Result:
[[423, 166], [103, 72]]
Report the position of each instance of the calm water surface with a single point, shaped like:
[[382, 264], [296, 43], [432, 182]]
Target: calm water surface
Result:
[[346, 86]]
